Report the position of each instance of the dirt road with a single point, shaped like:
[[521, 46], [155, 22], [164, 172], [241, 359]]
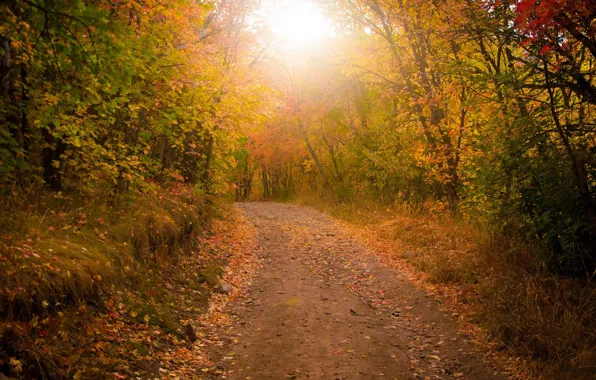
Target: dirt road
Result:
[[322, 307]]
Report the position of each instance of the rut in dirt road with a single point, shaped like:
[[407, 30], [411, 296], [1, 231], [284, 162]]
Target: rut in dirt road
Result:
[[322, 307]]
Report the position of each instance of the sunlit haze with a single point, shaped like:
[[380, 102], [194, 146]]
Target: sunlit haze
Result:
[[299, 23]]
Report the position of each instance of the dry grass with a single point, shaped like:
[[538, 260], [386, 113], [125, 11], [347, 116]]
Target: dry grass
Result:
[[75, 267], [534, 313], [499, 282], [60, 252], [136, 278]]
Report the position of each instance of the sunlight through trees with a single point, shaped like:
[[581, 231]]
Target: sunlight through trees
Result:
[[476, 111]]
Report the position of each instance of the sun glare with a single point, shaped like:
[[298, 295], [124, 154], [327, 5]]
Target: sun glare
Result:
[[298, 22]]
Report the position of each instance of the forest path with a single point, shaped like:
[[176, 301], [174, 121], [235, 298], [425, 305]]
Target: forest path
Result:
[[321, 306]]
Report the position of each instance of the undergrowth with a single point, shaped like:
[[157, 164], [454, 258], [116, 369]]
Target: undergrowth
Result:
[[85, 282], [69, 250], [504, 280]]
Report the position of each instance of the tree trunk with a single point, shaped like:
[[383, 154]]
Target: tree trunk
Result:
[[313, 154], [52, 175], [206, 178], [266, 193]]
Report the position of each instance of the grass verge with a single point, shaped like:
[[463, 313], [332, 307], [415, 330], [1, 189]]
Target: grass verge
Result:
[[97, 291]]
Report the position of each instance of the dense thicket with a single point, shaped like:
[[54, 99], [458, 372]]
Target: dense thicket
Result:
[[482, 108], [119, 95]]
